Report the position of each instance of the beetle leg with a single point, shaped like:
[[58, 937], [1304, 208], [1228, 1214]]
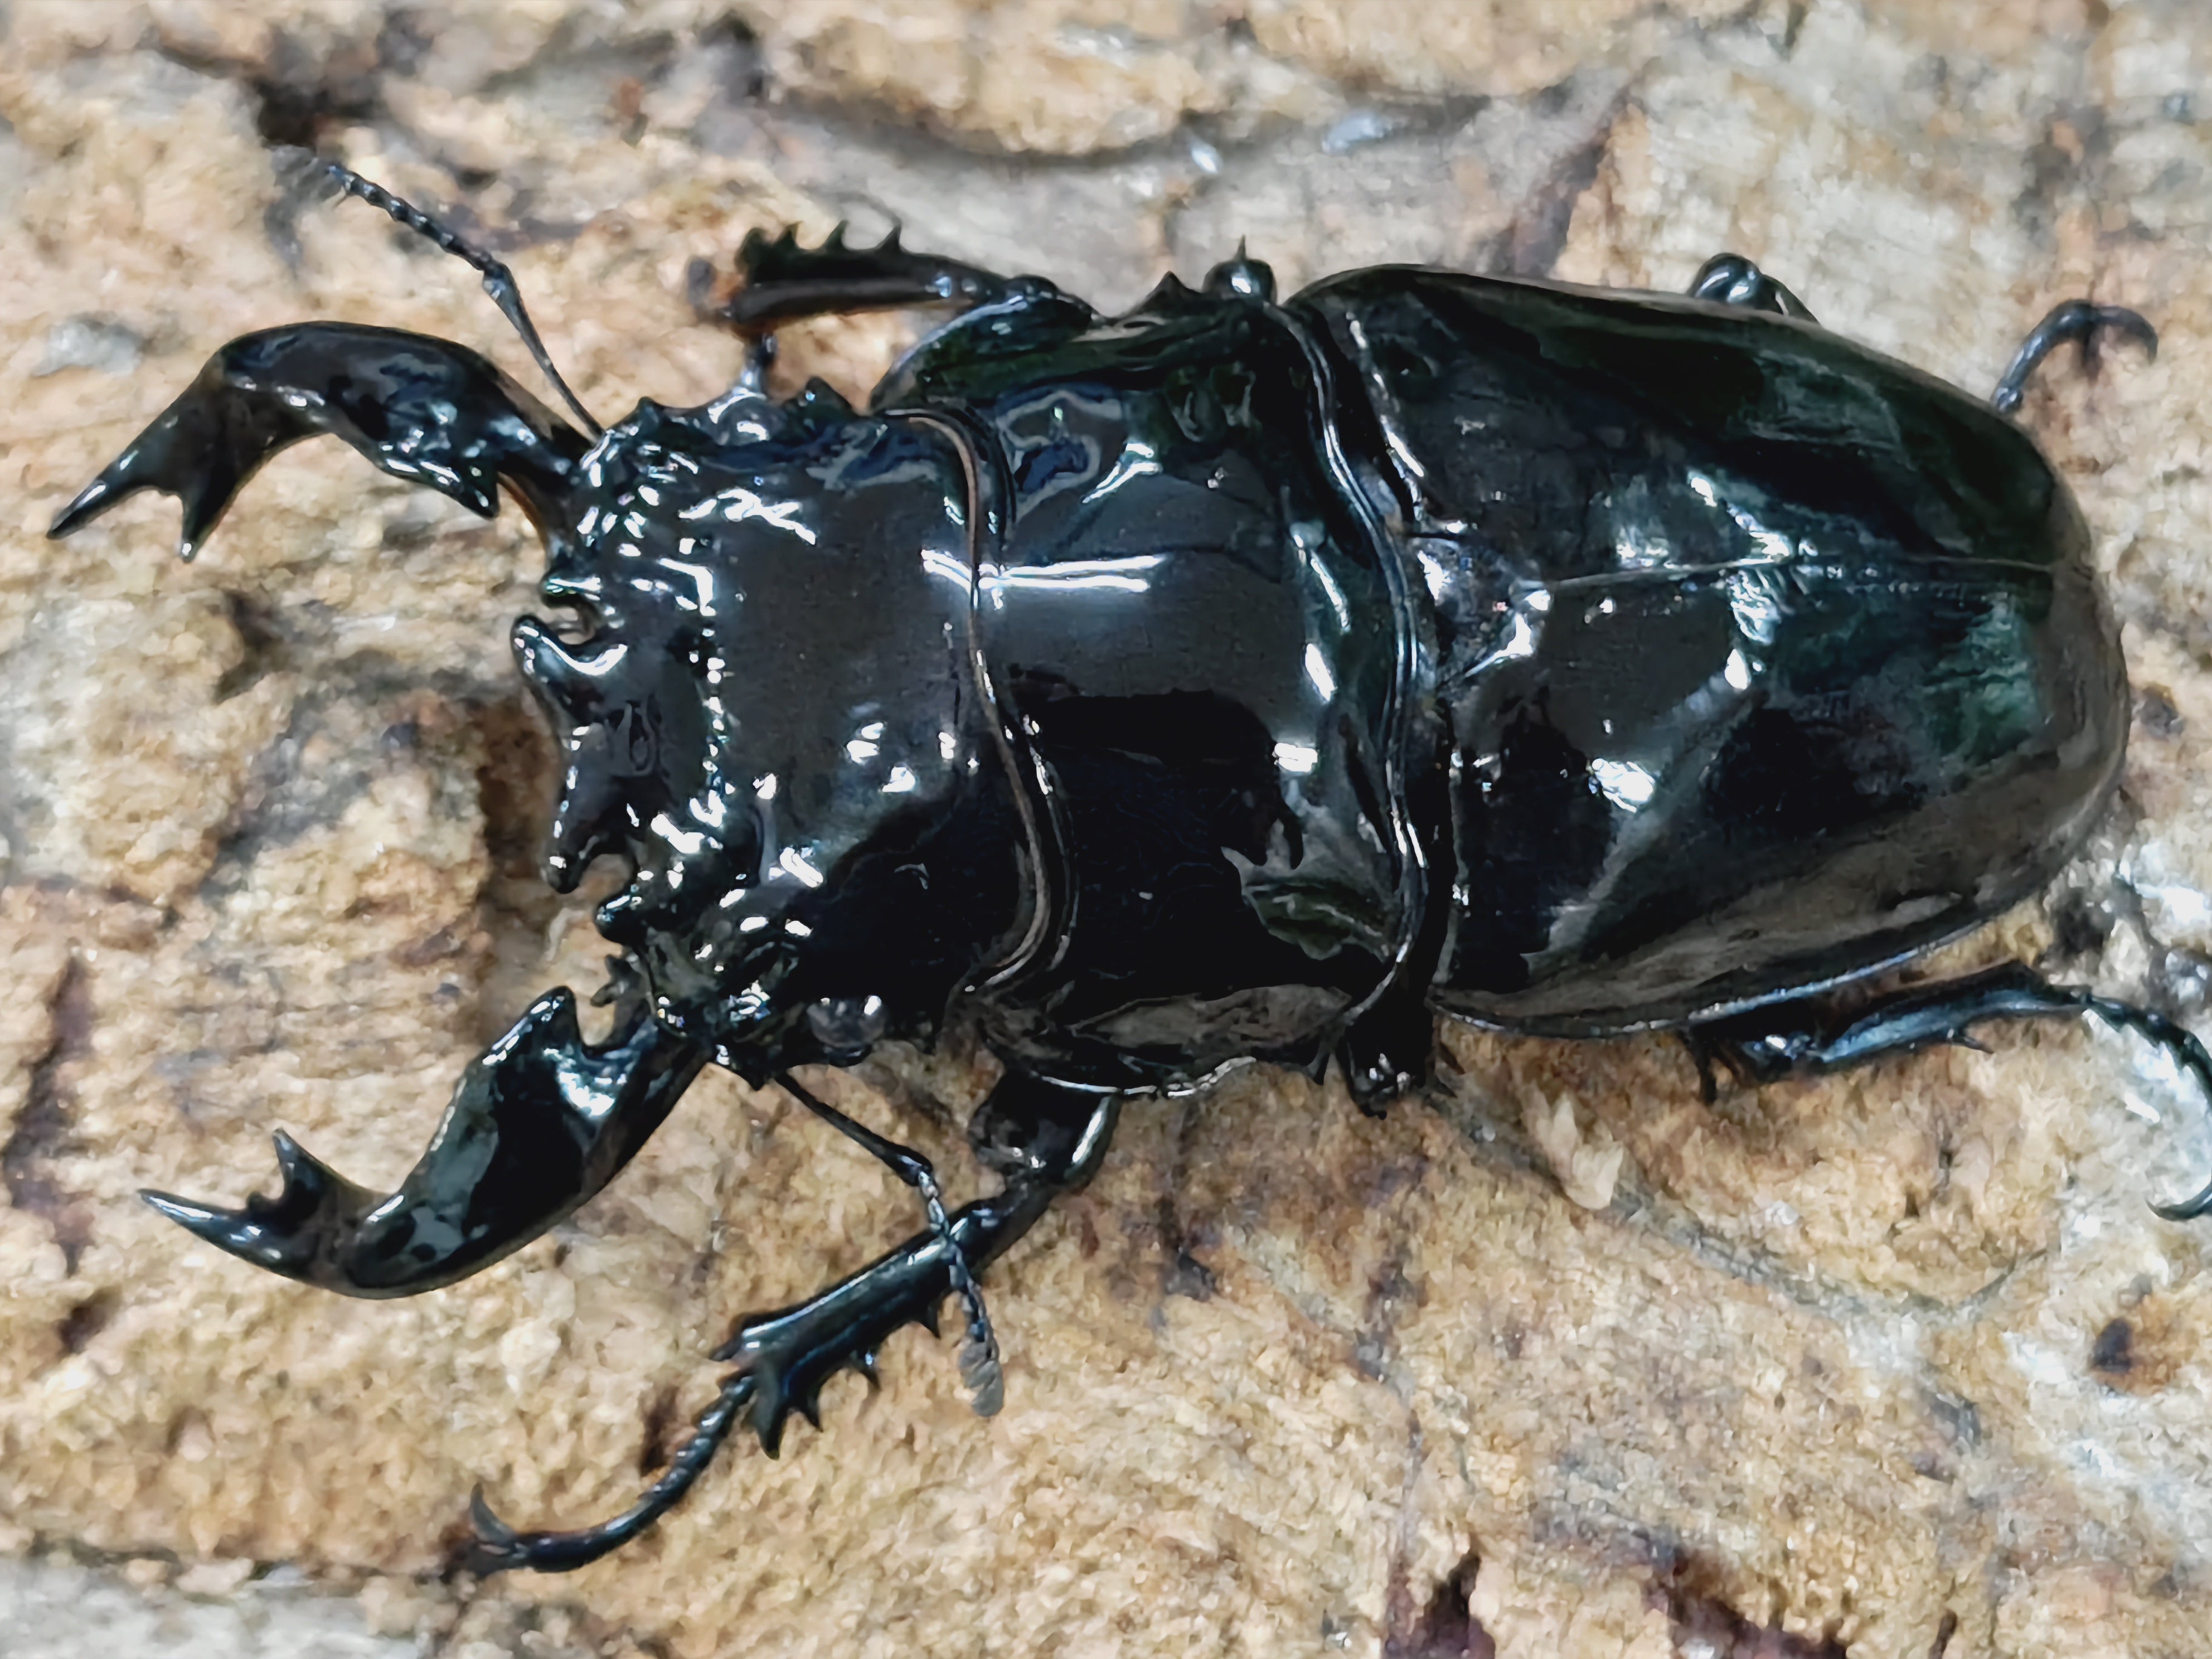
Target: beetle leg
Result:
[[2077, 320], [1732, 280], [1807, 1037], [1043, 1138], [1387, 1052], [979, 1356], [539, 1123], [1704, 1051], [779, 281], [423, 409]]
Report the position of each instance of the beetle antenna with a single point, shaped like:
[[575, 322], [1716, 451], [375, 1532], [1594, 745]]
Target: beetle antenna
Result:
[[498, 281]]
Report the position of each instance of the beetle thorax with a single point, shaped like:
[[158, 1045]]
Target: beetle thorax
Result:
[[772, 721]]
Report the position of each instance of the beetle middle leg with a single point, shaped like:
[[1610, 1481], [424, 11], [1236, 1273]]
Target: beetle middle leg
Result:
[[1812, 1037], [1043, 1138]]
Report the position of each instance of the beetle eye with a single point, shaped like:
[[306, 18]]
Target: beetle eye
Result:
[[577, 625], [633, 743]]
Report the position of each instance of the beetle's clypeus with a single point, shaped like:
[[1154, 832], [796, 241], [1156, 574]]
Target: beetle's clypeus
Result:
[[1239, 678]]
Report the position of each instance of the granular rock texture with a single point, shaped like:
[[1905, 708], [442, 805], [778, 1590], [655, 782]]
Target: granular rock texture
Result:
[[1557, 1360]]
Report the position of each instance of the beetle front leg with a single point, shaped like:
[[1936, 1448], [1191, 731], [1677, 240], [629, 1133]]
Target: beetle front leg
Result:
[[1046, 1141], [979, 1355], [778, 282], [1043, 1138], [1814, 1036]]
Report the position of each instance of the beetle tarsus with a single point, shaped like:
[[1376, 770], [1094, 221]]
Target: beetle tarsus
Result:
[[785, 1358], [1810, 1036], [1386, 1053], [979, 1354], [498, 1548], [2078, 320], [1703, 1052], [981, 1372], [1729, 279]]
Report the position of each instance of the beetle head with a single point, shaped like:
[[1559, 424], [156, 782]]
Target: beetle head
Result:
[[769, 715]]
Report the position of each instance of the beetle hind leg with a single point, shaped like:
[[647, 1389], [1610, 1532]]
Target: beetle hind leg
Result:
[[1814, 1037], [2077, 320], [1043, 1138]]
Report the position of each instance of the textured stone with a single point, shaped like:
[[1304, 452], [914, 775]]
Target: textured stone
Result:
[[1557, 1358]]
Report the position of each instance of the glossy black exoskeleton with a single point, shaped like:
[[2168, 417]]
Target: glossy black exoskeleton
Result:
[[1234, 679]]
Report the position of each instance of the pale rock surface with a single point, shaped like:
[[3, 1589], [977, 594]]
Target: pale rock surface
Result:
[[1895, 1364]]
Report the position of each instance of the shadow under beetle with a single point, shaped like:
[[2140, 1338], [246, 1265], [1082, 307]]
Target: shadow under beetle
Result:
[[1233, 679]]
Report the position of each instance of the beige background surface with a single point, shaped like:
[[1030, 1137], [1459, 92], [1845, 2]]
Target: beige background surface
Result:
[[1808, 1371]]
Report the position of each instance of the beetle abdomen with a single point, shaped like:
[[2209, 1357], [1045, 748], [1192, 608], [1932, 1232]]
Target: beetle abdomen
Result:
[[1765, 660]]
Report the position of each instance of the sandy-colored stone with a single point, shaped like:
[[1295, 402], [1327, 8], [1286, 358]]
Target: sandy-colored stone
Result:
[[1472, 48], [1557, 1349]]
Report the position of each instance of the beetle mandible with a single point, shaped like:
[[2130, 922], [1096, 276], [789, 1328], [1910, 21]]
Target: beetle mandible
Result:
[[1233, 679]]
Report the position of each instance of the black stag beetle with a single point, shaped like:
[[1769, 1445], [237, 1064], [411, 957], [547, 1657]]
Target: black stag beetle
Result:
[[1233, 679]]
